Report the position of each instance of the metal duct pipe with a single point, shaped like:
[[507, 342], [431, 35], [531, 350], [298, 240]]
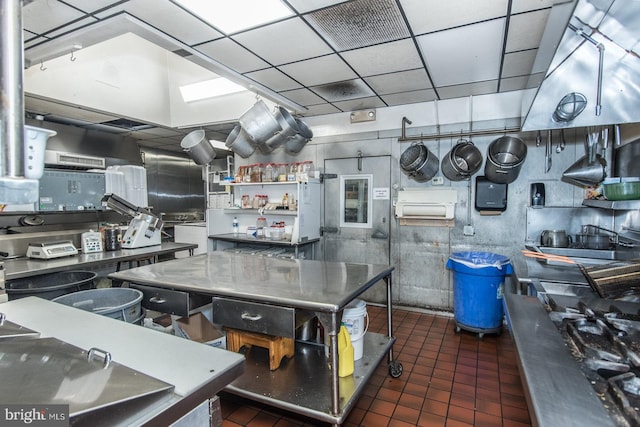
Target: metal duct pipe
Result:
[[11, 90]]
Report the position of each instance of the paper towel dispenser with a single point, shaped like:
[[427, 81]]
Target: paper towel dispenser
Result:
[[434, 203]]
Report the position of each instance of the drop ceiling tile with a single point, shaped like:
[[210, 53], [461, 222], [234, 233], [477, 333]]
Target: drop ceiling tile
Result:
[[463, 55], [283, 42], [42, 15], [359, 23], [412, 97], [320, 109], [477, 88], [31, 39], [402, 81], [360, 104], [385, 58], [273, 79], [317, 71], [304, 6], [513, 83], [341, 91], [156, 132], [93, 5], [232, 55], [426, 16], [72, 26], [173, 20], [303, 97], [518, 63], [519, 6], [525, 30]]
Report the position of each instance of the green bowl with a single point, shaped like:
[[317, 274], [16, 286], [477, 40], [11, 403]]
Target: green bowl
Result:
[[622, 191]]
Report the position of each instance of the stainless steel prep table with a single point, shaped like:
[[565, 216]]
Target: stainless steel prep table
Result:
[[303, 384], [197, 371], [26, 267]]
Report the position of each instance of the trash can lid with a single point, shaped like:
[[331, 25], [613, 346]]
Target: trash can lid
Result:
[[474, 259]]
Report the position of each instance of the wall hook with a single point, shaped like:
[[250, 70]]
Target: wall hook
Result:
[[73, 58], [42, 67]]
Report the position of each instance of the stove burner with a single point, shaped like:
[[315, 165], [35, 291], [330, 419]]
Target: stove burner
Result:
[[606, 345]]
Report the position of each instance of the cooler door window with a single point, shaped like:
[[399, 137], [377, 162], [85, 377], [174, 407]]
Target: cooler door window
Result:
[[355, 201]]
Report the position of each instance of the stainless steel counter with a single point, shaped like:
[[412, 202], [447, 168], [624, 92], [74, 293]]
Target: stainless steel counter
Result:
[[304, 384], [196, 371], [26, 267], [557, 392]]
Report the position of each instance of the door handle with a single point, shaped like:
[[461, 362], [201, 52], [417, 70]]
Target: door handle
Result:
[[157, 300], [253, 318], [324, 230]]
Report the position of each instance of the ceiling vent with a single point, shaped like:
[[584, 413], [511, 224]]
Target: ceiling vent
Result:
[[127, 124], [73, 161]]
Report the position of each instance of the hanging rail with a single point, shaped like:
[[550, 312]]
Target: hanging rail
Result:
[[405, 138]]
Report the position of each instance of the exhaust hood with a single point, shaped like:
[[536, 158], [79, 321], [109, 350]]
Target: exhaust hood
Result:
[[595, 67]]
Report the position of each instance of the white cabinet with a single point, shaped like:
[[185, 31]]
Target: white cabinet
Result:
[[302, 223]]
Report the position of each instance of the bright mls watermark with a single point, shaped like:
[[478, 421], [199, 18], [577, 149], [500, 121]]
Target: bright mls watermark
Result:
[[34, 415]]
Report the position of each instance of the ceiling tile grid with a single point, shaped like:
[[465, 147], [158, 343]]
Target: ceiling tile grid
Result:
[[336, 55]]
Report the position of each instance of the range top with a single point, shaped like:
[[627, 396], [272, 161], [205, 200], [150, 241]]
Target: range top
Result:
[[603, 337]]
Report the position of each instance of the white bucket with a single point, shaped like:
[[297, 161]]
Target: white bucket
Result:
[[353, 317]]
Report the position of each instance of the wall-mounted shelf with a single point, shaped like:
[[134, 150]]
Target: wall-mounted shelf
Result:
[[278, 212], [619, 205]]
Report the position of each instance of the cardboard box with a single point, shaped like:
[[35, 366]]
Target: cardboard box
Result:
[[198, 328]]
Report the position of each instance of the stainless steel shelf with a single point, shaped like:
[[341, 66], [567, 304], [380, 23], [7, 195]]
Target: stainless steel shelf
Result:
[[302, 384], [278, 212], [620, 205]]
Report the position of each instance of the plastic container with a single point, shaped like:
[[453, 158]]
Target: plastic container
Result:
[[345, 353], [35, 143], [478, 289], [353, 318], [52, 285], [118, 303]]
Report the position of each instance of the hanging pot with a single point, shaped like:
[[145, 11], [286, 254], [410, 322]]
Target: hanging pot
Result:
[[296, 142], [239, 142], [198, 147], [505, 157], [419, 163], [259, 124], [289, 128], [462, 161]]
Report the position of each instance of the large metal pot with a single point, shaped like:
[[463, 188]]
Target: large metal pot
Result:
[[289, 127], [198, 147], [259, 124], [462, 161], [593, 241], [555, 239], [419, 163], [297, 142], [505, 157], [239, 142]]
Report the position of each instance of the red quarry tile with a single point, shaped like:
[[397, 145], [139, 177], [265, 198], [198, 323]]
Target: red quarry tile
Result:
[[435, 407], [431, 420], [460, 414], [408, 415]]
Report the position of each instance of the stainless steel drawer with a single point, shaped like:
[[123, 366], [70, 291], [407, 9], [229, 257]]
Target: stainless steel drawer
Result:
[[169, 301], [254, 317]]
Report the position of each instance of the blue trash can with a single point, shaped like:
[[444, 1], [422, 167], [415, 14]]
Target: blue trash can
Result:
[[478, 288]]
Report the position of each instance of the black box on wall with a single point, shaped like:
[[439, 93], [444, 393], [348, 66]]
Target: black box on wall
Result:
[[490, 196]]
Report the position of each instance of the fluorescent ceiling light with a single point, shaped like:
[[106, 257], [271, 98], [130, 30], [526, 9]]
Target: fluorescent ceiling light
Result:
[[230, 16], [209, 89], [218, 144]]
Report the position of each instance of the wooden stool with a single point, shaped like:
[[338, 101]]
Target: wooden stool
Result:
[[279, 347]]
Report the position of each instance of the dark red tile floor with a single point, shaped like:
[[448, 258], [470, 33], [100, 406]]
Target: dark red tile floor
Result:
[[449, 380]]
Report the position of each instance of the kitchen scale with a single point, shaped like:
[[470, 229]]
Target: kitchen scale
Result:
[[50, 250]]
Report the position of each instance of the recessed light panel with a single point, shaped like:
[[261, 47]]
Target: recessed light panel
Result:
[[230, 16], [209, 89]]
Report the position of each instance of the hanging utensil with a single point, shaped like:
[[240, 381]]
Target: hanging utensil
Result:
[[538, 139], [547, 153], [563, 141], [616, 134], [605, 141]]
